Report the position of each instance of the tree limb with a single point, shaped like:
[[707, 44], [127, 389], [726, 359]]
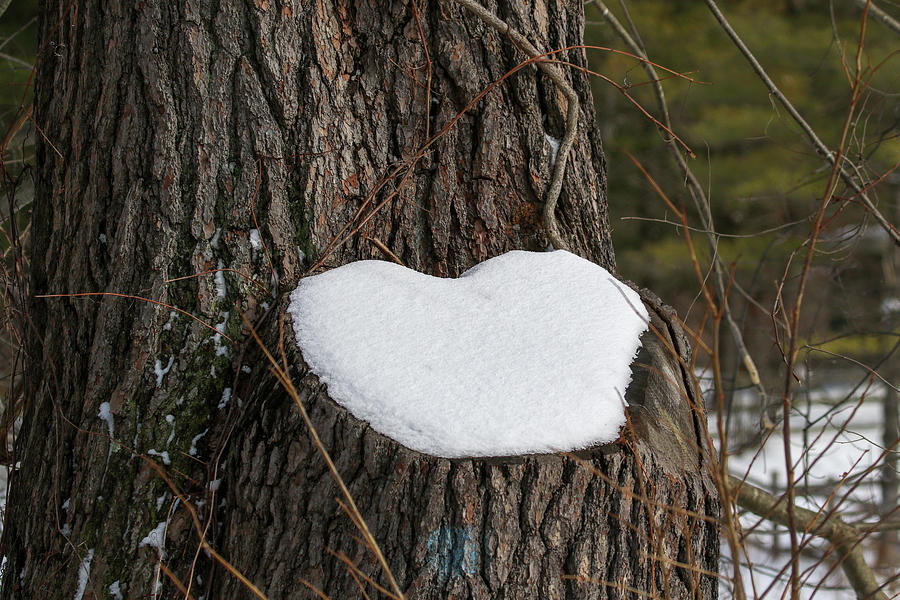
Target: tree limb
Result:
[[701, 202], [843, 537], [879, 14]]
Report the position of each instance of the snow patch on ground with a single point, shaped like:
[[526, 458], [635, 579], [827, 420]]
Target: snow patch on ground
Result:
[[836, 426], [528, 352]]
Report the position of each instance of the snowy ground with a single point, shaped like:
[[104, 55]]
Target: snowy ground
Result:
[[835, 442]]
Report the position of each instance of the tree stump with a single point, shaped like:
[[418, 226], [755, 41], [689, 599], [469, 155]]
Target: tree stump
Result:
[[622, 519]]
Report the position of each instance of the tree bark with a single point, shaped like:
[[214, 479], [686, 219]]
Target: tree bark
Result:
[[171, 131], [598, 523], [889, 541]]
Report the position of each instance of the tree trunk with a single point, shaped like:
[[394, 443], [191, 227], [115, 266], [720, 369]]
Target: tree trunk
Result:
[[889, 541], [170, 132]]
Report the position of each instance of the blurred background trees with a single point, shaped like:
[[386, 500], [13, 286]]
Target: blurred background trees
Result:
[[762, 175]]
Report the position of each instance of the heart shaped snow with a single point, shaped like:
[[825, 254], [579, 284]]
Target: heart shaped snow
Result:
[[528, 352]]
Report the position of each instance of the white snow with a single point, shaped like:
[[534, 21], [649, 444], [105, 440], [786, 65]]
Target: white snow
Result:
[[226, 396], [168, 325], [220, 281], [114, 590], [107, 416], [554, 148], [525, 353], [162, 371], [156, 538], [255, 240], [836, 426], [84, 573], [164, 455], [193, 450], [170, 419], [221, 349]]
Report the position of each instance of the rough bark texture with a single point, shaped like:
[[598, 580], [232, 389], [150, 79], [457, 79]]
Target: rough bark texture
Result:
[[599, 523], [165, 125]]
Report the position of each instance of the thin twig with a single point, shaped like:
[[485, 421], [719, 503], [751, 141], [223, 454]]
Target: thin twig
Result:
[[14, 128], [141, 298], [843, 537], [701, 202], [285, 380], [28, 24], [15, 60], [408, 165], [381, 246], [879, 14]]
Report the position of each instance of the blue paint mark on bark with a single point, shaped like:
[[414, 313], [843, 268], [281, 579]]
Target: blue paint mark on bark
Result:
[[453, 552]]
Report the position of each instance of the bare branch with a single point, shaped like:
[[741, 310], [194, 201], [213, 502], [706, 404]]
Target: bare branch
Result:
[[844, 538], [819, 145], [881, 16], [701, 202]]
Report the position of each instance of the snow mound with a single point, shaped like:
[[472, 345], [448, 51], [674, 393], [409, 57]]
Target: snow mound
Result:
[[529, 352]]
